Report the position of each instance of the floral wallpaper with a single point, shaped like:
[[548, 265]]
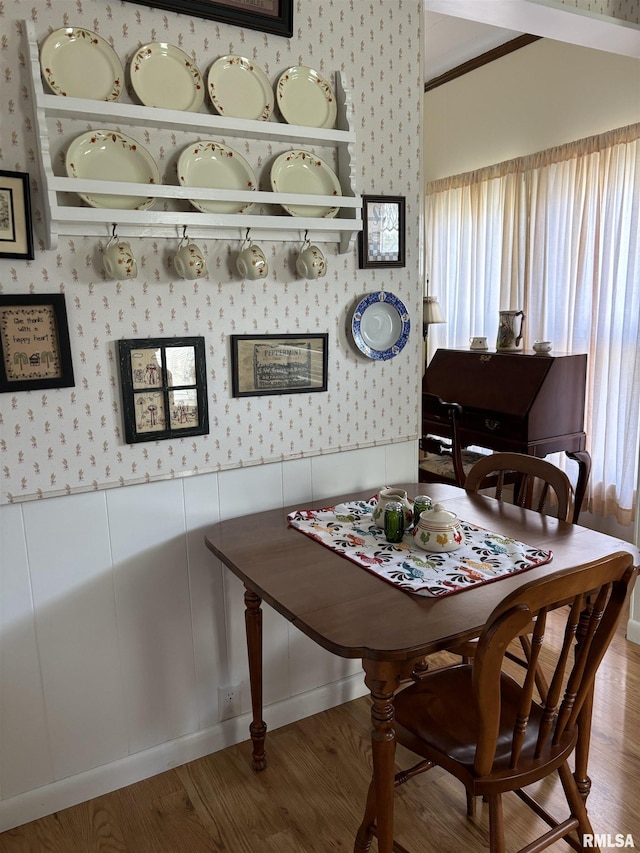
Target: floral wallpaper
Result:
[[66, 440], [624, 10]]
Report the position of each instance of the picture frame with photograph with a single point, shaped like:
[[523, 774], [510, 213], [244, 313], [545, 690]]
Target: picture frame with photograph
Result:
[[164, 388], [278, 364], [382, 239], [270, 16], [16, 231], [35, 350]]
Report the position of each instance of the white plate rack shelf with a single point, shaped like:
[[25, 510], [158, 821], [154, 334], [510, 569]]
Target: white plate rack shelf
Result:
[[78, 220]]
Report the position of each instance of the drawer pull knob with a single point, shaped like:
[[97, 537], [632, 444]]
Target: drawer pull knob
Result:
[[491, 424]]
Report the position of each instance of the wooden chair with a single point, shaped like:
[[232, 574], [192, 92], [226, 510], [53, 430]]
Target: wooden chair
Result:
[[443, 461], [533, 479], [485, 727]]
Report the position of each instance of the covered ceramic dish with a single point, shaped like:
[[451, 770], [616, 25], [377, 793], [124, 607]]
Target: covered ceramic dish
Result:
[[438, 530]]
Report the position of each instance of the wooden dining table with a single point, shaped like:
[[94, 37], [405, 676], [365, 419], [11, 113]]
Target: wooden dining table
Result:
[[354, 613]]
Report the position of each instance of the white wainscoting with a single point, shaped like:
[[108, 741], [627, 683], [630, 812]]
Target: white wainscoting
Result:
[[118, 626]]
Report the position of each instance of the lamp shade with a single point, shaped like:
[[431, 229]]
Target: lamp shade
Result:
[[431, 311]]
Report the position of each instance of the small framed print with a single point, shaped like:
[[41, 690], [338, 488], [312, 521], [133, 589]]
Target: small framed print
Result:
[[164, 388], [382, 239], [35, 351], [268, 16], [16, 234], [278, 364]]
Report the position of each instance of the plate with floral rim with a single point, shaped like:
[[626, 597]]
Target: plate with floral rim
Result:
[[164, 76], [380, 325], [78, 63], [239, 88], [306, 98], [302, 172], [108, 155], [210, 164]]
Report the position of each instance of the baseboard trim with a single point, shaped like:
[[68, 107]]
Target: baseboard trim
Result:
[[633, 631], [64, 793]]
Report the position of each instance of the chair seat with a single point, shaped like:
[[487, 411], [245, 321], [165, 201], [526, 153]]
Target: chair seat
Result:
[[436, 718], [441, 465]]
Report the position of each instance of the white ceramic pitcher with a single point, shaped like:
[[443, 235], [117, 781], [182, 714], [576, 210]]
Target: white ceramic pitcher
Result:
[[392, 494], [507, 337]]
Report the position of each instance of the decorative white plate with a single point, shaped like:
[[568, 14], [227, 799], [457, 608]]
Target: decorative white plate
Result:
[[108, 155], [240, 89], [304, 97], [380, 325], [209, 164], [81, 64], [164, 76], [303, 172]]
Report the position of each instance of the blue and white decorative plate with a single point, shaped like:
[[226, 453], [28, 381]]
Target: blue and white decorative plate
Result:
[[380, 325]]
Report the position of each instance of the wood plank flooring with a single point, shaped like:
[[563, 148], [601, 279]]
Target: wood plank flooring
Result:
[[311, 796]]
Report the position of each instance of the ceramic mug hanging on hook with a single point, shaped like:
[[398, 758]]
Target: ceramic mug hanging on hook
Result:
[[311, 262], [251, 262], [189, 261], [118, 259]]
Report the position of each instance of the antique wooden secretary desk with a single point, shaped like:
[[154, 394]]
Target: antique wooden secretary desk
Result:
[[514, 401]]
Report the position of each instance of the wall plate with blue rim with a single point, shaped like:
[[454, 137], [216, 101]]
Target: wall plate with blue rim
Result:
[[380, 325]]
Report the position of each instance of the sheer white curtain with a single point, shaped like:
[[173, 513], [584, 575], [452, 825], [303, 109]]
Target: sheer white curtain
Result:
[[558, 235]]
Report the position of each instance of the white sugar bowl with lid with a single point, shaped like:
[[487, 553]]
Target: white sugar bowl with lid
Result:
[[438, 531]]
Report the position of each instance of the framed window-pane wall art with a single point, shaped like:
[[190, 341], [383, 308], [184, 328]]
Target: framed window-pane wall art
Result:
[[382, 239], [164, 388]]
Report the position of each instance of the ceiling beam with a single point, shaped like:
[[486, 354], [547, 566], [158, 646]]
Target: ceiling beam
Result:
[[479, 61]]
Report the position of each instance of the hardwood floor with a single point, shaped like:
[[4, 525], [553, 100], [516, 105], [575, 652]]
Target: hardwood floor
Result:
[[311, 796]]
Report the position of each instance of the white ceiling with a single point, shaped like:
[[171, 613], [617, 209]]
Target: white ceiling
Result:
[[458, 30]]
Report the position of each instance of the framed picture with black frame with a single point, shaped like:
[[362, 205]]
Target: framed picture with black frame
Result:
[[278, 364], [16, 232], [35, 351], [164, 388], [268, 16], [382, 239]]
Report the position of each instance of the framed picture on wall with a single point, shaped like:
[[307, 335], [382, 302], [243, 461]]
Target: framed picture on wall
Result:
[[35, 351], [164, 388], [278, 364], [382, 239], [16, 234], [269, 16]]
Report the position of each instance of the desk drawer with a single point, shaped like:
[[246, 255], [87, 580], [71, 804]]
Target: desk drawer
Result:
[[494, 424]]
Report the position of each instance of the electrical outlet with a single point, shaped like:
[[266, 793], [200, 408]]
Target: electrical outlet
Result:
[[229, 701]]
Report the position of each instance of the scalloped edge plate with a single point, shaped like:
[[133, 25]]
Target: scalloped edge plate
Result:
[[380, 325]]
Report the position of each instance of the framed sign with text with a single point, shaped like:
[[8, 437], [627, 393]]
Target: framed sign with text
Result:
[[35, 351], [269, 16], [278, 364]]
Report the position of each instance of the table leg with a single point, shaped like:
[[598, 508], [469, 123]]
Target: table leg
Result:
[[583, 458], [382, 680], [253, 623]]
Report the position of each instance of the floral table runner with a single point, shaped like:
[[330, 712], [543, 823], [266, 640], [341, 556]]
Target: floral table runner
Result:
[[349, 529]]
